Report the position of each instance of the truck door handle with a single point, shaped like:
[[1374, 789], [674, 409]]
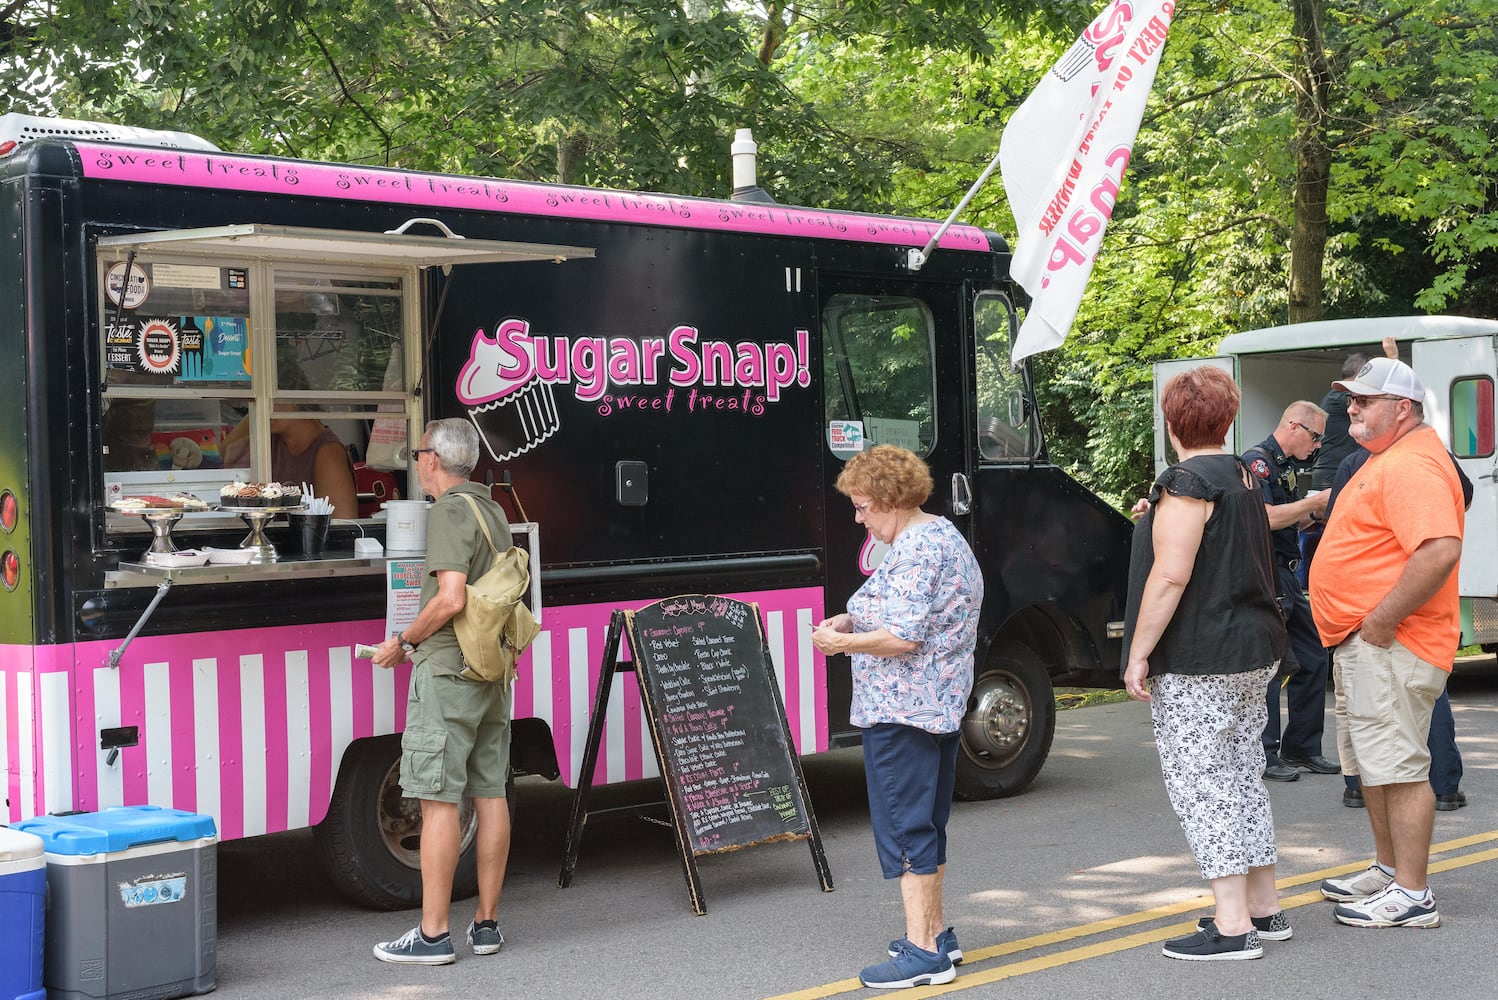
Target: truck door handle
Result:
[[962, 494]]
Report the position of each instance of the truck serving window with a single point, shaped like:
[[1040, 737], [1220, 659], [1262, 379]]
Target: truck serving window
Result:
[[878, 369], [1003, 417], [210, 364]]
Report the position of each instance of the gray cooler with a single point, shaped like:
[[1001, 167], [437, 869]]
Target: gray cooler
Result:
[[132, 909]]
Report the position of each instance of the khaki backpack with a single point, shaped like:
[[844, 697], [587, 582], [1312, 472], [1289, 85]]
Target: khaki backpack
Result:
[[495, 626]]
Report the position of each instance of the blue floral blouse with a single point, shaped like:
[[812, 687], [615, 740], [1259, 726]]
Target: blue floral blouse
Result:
[[928, 589]]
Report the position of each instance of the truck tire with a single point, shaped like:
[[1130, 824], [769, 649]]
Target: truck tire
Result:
[[370, 841], [1010, 721]]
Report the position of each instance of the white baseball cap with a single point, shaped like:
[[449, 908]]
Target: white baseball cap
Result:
[[1384, 377]]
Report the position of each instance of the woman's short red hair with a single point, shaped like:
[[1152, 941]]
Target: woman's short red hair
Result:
[[893, 478], [1199, 406]]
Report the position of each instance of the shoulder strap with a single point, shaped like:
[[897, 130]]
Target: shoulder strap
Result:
[[483, 525], [1258, 449]]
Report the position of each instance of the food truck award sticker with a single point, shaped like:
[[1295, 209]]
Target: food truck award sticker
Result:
[[127, 297], [845, 437], [160, 349]]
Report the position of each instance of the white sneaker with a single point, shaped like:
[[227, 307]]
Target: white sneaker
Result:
[[1369, 882], [1394, 907]]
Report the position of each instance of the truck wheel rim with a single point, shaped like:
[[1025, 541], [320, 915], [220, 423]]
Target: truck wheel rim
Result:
[[400, 821], [998, 720]]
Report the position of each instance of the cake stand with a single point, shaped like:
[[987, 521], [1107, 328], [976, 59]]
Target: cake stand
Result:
[[161, 520], [256, 518]]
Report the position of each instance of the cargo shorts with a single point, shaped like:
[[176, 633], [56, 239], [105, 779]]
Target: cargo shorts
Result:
[[457, 738], [1383, 707]]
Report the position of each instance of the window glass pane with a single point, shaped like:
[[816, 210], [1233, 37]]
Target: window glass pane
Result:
[[176, 324], [1003, 419], [877, 367], [166, 434], [338, 334], [1472, 417]]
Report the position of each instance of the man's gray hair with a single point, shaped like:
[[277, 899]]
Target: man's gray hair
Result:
[[1353, 365], [456, 443]]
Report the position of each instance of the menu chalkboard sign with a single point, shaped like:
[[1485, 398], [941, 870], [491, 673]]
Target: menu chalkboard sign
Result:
[[719, 730], [709, 692]]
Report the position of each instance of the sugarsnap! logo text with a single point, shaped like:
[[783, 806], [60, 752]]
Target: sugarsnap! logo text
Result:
[[606, 371]]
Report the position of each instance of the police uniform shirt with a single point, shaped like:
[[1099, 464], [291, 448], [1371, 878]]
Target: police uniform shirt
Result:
[[1279, 482]]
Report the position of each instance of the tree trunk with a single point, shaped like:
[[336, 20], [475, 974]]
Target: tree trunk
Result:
[[1313, 160], [572, 154]]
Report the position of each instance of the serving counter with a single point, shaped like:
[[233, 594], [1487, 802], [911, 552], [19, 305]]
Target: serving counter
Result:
[[339, 562], [287, 567]]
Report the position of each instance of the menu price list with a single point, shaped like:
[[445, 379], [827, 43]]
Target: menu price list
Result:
[[719, 723]]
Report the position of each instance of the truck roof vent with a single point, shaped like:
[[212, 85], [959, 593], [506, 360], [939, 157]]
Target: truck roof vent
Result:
[[18, 128]]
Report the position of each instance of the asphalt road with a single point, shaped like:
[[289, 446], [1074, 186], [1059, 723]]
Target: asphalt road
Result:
[[1062, 892]]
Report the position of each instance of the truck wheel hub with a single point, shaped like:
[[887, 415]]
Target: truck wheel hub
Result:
[[998, 719]]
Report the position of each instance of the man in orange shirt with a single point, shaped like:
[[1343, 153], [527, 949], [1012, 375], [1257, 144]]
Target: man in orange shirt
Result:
[[1384, 594]]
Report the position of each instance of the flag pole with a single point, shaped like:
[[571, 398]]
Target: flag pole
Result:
[[916, 259]]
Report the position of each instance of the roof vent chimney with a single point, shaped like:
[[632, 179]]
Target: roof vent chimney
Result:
[[745, 183]]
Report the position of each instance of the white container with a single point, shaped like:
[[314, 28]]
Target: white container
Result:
[[405, 525]]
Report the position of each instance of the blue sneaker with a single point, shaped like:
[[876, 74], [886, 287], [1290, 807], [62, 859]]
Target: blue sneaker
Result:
[[412, 948], [911, 966], [946, 942], [484, 937]]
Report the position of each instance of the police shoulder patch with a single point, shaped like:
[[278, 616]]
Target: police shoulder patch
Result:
[[1260, 468]]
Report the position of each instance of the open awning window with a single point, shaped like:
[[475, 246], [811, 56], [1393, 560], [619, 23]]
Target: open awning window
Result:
[[341, 246]]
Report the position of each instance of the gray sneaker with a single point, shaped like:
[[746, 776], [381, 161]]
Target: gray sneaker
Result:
[[1361, 885], [1275, 927], [485, 937], [413, 949]]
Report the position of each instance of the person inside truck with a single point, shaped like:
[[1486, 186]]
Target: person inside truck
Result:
[[1202, 638], [303, 450], [1296, 437], [911, 630]]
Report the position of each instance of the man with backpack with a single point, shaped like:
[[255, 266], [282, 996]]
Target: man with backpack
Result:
[[457, 737]]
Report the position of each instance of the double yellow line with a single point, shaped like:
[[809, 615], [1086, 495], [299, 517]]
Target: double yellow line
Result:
[[971, 977]]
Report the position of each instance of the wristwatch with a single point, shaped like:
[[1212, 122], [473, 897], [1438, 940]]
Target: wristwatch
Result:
[[406, 646]]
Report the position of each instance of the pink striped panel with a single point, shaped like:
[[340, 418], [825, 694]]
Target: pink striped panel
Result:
[[261, 783]]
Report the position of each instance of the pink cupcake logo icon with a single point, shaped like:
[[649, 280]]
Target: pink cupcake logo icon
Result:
[[513, 410]]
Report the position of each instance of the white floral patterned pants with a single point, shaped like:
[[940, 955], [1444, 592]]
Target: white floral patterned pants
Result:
[[1208, 729]]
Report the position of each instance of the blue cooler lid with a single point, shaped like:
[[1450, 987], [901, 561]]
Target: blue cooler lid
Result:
[[116, 828]]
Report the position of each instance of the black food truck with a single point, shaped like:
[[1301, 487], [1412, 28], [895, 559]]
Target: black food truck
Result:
[[665, 389]]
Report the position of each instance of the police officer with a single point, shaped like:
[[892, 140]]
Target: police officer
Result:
[[1274, 462]]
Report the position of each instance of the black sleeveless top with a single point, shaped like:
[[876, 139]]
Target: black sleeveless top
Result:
[[1227, 621]]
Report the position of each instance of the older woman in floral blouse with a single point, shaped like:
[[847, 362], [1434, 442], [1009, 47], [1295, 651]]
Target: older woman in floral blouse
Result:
[[911, 630]]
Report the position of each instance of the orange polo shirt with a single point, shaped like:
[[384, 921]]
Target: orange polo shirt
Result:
[[1402, 497]]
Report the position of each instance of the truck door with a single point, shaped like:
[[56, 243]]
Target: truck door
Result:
[[1164, 372], [1458, 375], [894, 371]]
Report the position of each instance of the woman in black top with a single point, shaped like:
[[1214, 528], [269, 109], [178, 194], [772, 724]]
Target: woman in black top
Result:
[[1202, 637]]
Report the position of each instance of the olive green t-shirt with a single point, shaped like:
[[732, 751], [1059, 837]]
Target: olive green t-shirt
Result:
[[454, 542]]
